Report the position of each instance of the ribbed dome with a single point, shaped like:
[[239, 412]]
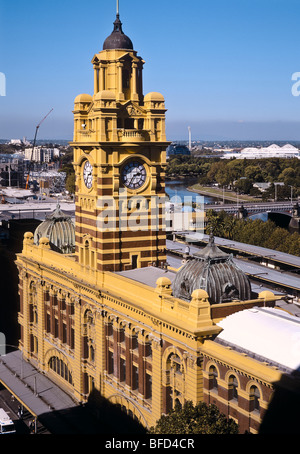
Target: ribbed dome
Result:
[[118, 40], [59, 228], [215, 272]]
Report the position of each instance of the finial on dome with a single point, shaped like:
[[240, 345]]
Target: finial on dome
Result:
[[117, 39]]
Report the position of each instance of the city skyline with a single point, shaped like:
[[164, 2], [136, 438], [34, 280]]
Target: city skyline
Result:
[[225, 68]]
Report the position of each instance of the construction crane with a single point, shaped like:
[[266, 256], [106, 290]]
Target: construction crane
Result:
[[34, 142]]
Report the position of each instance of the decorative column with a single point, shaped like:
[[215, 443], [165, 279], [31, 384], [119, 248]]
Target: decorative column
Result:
[[41, 320], [69, 320], [157, 397], [52, 294], [116, 349], [120, 81], [128, 379], [135, 96], [77, 369], [96, 79], [194, 378], [100, 343], [60, 299], [141, 363], [25, 314], [101, 78]]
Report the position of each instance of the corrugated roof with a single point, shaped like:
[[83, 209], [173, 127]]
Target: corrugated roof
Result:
[[249, 248], [265, 274]]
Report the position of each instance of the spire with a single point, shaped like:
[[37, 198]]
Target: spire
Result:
[[211, 251], [118, 40], [118, 25]]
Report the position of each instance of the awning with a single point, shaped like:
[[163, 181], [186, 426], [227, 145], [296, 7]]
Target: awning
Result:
[[32, 388]]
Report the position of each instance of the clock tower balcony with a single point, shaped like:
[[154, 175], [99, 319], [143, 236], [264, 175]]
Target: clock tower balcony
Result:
[[133, 135]]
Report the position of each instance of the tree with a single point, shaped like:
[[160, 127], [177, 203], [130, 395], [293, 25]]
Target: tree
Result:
[[243, 185], [254, 174], [288, 176], [252, 231], [70, 183], [215, 224], [195, 419]]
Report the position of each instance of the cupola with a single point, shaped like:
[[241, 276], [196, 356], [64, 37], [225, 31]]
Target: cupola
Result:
[[215, 272], [59, 228], [117, 39]]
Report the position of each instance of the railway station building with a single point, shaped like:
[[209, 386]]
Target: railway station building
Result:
[[100, 309]]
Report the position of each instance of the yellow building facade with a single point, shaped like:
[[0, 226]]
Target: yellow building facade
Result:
[[83, 322]]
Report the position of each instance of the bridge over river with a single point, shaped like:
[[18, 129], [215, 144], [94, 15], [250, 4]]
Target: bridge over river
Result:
[[284, 214], [249, 209]]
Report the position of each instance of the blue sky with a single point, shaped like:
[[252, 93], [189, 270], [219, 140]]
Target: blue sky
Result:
[[224, 66]]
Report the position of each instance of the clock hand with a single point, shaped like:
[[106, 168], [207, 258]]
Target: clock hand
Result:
[[134, 176]]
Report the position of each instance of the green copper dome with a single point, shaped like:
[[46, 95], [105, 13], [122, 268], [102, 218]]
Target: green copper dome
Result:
[[59, 228], [215, 272]]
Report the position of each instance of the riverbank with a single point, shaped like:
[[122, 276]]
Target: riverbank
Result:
[[179, 188], [227, 196]]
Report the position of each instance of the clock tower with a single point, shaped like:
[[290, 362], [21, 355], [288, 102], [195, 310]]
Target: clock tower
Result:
[[119, 159]]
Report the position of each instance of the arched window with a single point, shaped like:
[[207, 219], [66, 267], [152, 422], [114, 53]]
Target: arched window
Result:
[[254, 398], [125, 79], [88, 318], [213, 378], [92, 353], [176, 364], [233, 386], [58, 366], [175, 381], [87, 253]]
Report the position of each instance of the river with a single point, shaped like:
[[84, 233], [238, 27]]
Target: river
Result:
[[178, 188]]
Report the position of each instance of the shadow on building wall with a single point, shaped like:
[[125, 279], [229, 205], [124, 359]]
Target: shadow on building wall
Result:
[[283, 415], [97, 416], [9, 298]]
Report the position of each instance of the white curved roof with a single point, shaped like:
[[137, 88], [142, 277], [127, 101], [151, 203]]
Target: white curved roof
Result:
[[273, 150], [274, 146], [288, 146], [267, 332]]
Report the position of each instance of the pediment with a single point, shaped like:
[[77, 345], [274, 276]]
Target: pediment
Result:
[[95, 59], [133, 109]]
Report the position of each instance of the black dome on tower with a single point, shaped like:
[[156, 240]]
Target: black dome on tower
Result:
[[118, 39]]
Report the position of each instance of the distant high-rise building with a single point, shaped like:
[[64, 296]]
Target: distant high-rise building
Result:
[[40, 154]]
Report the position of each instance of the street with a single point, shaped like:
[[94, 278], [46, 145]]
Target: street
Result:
[[10, 404]]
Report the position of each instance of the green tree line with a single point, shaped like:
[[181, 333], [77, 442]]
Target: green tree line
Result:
[[240, 174], [253, 231]]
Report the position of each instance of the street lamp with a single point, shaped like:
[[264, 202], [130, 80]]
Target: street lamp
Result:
[[291, 193], [276, 184]]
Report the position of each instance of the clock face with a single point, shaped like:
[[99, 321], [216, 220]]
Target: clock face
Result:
[[88, 174], [134, 175]]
